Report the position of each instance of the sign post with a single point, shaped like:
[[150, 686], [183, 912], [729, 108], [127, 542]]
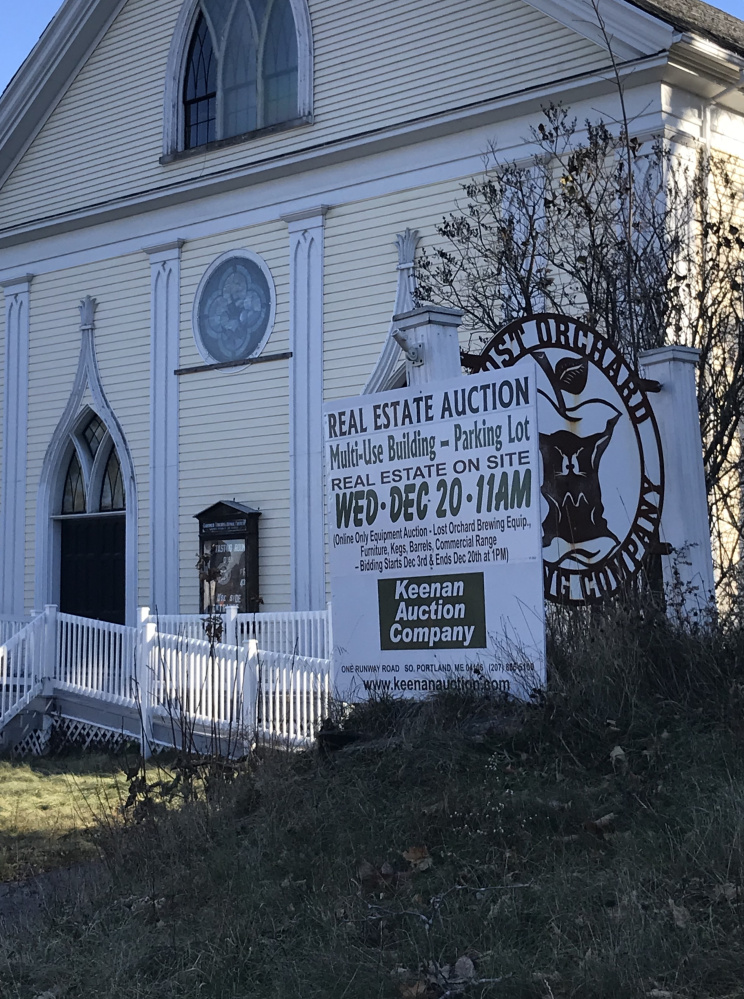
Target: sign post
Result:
[[435, 538]]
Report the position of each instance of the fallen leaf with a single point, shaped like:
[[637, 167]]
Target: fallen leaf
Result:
[[464, 968], [600, 827], [680, 914], [419, 858], [727, 891], [416, 991]]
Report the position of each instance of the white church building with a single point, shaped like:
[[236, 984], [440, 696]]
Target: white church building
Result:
[[208, 216]]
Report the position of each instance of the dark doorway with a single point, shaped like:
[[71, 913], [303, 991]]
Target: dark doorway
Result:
[[92, 572]]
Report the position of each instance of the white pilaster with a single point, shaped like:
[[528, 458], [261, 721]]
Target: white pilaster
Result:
[[15, 442], [165, 287], [307, 522], [428, 337], [688, 571]]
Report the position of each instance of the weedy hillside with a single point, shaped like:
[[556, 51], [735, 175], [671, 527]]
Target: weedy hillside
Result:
[[588, 844]]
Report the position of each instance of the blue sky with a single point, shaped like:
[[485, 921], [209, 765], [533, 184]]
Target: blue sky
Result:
[[23, 23]]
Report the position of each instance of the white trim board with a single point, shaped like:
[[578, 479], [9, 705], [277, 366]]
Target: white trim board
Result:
[[15, 447], [165, 300], [632, 31], [307, 515]]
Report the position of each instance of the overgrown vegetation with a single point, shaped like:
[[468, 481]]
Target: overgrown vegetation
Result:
[[587, 844]]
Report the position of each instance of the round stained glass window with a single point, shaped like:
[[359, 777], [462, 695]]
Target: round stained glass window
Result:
[[234, 308]]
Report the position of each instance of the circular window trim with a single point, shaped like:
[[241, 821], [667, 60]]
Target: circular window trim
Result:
[[217, 262]]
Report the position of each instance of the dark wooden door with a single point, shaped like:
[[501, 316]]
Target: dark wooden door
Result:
[[93, 567]]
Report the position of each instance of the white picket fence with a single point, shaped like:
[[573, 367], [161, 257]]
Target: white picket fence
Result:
[[10, 626], [193, 679], [173, 678], [300, 633], [293, 696], [22, 662], [95, 657]]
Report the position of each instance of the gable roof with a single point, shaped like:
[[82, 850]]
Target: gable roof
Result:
[[47, 72], [694, 15], [639, 28]]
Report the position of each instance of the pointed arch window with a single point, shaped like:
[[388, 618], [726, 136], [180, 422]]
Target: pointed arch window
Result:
[[112, 489], [200, 88], [94, 434], [93, 482], [242, 70], [73, 497]]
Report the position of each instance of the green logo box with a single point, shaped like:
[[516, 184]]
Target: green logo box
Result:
[[432, 612]]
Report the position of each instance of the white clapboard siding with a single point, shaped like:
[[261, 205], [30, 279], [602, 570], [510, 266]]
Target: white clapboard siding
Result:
[[361, 277], [2, 386], [234, 423], [377, 63], [122, 338]]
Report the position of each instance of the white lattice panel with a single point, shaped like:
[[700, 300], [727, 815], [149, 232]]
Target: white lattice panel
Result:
[[69, 733], [34, 744]]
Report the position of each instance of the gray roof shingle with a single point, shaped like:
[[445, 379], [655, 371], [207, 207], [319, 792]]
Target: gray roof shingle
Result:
[[694, 15]]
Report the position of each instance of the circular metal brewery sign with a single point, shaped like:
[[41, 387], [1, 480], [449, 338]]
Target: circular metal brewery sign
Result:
[[602, 470]]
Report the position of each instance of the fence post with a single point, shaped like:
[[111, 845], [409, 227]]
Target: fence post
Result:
[[329, 645], [230, 633], [49, 665], [684, 516], [250, 690], [146, 634]]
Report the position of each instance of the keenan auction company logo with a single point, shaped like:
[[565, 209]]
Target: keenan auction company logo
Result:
[[602, 470]]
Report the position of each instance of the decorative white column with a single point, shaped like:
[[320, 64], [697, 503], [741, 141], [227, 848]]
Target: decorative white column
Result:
[[15, 445], [428, 337], [307, 520], [688, 571], [165, 304]]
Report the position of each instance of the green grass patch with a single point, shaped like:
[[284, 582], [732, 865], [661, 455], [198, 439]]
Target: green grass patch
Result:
[[50, 811]]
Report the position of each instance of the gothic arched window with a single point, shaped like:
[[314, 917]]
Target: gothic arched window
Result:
[[93, 483], [242, 70], [112, 487], [200, 88], [73, 497]]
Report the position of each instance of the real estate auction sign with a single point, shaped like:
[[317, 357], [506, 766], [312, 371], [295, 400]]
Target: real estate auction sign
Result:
[[435, 537]]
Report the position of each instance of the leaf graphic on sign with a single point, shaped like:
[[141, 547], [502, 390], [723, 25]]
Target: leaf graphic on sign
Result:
[[572, 374]]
